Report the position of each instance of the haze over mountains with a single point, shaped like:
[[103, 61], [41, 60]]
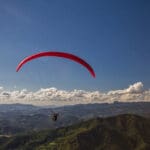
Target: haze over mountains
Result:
[[18, 118]]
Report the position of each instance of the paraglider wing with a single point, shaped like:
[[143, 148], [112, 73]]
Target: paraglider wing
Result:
[[57, 54]]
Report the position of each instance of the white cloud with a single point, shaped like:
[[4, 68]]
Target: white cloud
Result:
[[53, 96], [135, 88]]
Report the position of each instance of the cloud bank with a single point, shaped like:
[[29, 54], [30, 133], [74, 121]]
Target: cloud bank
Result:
[[53, 96]]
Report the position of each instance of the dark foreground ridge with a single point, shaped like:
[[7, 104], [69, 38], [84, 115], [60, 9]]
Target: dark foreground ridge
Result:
[[122, 132]]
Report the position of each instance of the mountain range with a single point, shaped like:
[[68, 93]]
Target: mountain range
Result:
[[19, 118], [121, 132]]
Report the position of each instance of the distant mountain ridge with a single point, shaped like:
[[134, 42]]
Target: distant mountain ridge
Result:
[[104, 108], [18, 118]]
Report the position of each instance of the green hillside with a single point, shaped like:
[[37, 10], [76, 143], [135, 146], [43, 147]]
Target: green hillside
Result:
[[123, 132]]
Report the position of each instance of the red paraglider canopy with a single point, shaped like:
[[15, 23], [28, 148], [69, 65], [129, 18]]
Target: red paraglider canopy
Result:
[[57, 54]]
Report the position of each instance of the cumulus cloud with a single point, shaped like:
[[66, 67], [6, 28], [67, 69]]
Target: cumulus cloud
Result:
[[53, 96], [135, 88]]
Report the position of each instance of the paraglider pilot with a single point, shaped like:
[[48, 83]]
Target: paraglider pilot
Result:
[[55, 116]]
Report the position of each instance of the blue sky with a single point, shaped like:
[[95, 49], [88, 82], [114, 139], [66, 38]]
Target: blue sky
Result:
[[112, 35]]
